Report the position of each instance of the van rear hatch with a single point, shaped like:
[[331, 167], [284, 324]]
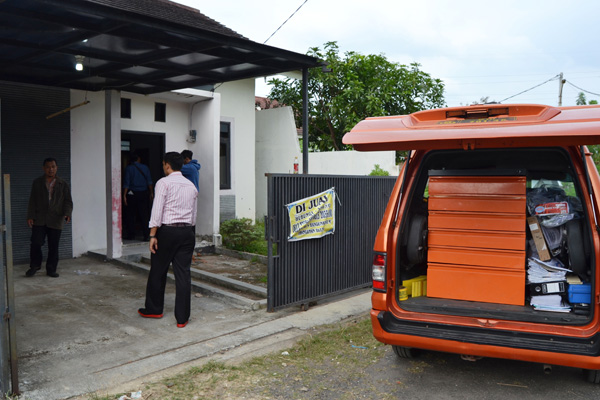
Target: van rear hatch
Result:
[[511, 125]]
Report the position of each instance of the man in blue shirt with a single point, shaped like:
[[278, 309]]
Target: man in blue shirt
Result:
[[137, 195], [190, 168]]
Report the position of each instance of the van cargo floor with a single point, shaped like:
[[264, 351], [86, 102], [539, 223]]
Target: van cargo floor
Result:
[[490, 310]]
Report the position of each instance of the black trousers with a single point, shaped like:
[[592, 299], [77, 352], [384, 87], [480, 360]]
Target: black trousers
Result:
[[175, 245], [38, 237], [138, 205]]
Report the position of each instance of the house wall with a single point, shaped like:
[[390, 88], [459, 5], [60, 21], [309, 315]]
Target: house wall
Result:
[[351, 162], [205, 120], [88, 182], [201, 113], [239, 111], [277, 145], [88, 155]]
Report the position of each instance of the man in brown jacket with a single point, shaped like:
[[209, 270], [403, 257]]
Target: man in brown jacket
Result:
[[50, 206]]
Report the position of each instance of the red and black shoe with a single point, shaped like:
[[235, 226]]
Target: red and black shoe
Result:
[[145, 314], [183, 325]]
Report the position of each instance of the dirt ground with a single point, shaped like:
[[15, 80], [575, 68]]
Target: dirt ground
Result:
[[252, 272]]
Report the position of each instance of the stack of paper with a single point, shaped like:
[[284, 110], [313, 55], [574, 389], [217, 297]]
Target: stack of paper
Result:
[[549, 302], [539, 271]]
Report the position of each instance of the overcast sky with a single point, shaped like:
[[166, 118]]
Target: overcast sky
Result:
[[477, 48]]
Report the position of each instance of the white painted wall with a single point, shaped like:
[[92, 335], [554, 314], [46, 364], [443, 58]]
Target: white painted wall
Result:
[[205, 120], [277, 145], [87, 155], [88, 182], [190, 109], [237, 108], [351, 162], [176, 126]]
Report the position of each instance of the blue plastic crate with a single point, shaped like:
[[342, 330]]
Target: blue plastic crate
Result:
[[580, 293]]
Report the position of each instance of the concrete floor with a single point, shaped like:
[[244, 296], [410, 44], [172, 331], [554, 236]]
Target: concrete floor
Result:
[[85, 324], [81, 332]]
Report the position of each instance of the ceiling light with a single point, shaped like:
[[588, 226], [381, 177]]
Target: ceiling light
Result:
[[79, 63]]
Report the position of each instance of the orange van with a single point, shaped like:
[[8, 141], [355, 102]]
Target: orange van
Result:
[[489, 243]]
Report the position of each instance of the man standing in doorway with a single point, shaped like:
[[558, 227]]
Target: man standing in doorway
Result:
[[191, 168], [50, 206], [171, 240], [137, 195]]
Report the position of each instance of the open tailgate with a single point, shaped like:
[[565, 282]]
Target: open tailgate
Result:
[[479, 126]]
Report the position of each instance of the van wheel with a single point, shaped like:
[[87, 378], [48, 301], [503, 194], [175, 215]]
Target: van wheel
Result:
[[592, 375], [577, 258], [405, 352], [416, 246]]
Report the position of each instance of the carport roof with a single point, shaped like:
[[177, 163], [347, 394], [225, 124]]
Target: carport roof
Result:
[[140, 46]]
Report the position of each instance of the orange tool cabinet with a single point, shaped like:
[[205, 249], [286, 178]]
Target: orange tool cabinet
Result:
[[476, 240]]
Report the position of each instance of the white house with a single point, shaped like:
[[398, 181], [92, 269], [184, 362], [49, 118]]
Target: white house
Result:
[[137, 60], [133, 92]]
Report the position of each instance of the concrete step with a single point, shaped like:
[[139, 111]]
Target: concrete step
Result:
[[223, 281], [203, 282]]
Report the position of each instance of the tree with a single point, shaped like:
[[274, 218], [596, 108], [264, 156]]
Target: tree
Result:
[[581, 100], [358, 86], [484, 100]]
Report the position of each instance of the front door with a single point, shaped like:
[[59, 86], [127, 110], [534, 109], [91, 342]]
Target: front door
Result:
[[150, 147]]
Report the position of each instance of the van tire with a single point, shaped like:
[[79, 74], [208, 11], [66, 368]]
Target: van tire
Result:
[[416, 246], [405, 352], [577, 259], [592, 375]]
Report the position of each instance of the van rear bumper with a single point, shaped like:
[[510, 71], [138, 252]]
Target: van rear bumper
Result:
[[589, 346]]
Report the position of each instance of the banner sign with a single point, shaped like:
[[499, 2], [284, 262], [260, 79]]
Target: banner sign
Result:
[[312, 217]]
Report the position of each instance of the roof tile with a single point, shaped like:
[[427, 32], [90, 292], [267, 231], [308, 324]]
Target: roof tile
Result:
[[170, 11]]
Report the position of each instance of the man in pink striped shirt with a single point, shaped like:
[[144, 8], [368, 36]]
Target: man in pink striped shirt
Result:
[[172, 240]]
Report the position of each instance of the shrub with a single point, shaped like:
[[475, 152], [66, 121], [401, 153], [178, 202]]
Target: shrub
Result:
[[240, 234], [378, 171]]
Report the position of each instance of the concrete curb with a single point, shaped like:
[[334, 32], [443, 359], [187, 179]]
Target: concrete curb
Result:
[[223, 281], [229, 283], [243, 255], [135, 262]]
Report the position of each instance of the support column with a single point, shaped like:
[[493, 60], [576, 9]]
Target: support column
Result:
[[305, 120], [112, 135]]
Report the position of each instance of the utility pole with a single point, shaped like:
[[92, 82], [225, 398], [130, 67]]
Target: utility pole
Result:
[[561, 83]]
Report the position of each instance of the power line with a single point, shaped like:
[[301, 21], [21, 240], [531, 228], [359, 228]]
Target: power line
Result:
[[583, 90], [284, 22], [527, 90], [593, 74]]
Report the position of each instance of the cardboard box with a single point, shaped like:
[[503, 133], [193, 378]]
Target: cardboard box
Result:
[[538, 238]]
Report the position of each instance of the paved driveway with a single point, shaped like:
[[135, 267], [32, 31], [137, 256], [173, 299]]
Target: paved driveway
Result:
[[81, 331]]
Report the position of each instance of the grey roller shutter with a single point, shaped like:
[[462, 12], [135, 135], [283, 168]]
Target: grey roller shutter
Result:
[[27, 139]]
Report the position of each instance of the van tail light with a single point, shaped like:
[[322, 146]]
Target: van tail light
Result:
[[378, 272]]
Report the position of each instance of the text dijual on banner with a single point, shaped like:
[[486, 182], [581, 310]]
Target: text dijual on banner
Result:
[[312, 217]]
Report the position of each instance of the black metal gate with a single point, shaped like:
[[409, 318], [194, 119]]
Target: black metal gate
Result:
[[308, 270]]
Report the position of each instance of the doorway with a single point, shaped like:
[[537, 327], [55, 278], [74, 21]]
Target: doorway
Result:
[[150, 146]]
